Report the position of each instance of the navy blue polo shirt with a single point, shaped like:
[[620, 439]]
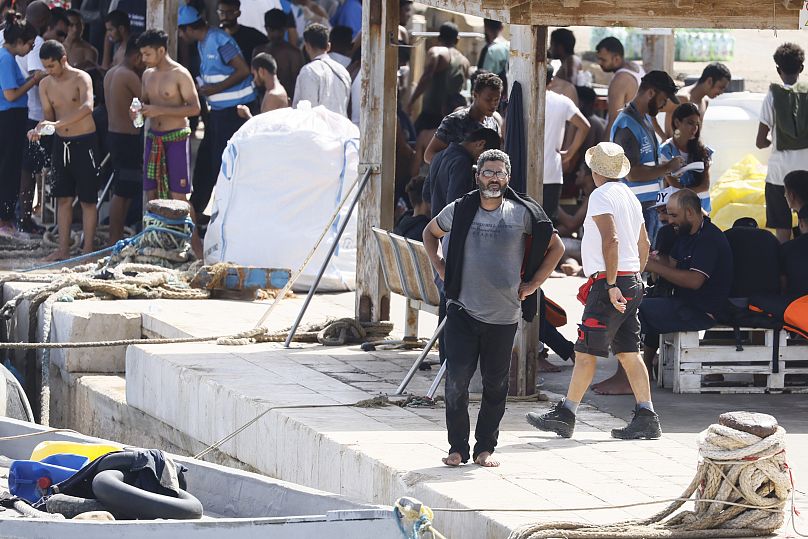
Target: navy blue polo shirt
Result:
[[708, 252]]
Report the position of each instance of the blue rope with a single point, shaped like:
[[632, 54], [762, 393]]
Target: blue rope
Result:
[[184, 221], [69, 260], [121, 244]]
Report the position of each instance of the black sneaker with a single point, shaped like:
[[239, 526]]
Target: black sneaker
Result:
[[559, 420], [644, 424]]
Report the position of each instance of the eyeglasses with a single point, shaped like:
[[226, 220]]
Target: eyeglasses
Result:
[[226, 12], [491, 173]]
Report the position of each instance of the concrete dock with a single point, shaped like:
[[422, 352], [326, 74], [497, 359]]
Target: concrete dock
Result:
[[183, 397]]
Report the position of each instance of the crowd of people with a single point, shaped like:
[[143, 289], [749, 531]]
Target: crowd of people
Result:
[[80, 84]]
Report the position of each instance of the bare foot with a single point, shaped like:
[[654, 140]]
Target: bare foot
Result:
[[486, 460], [616, 385], [571, 267], [56, 256], [454, 459], [545, 366]]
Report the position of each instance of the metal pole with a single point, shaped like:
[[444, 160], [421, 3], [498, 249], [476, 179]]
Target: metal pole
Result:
[[421, 358], [328, 256], [309, 256], [434, 387]]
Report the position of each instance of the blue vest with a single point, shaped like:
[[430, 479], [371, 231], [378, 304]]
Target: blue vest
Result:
[[213, 69], [649, 155]]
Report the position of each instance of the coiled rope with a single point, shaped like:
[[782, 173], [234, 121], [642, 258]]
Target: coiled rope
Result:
[[742, 486]]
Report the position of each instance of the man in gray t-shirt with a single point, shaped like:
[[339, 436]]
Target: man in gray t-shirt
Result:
[[495, 247], [487, 252]]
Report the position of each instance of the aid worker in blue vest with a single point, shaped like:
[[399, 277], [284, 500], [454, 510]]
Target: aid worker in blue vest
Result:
[[634, 131], [226, 82]]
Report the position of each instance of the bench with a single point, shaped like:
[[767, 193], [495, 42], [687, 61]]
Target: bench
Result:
[[407, 272], [686, 358]]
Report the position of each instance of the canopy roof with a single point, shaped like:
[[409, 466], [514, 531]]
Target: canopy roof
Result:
[[780, 14]]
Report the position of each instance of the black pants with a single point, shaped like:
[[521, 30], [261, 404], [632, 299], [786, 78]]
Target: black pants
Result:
[[12, 145], [549, 335], [468, 339], [670, 315], [221, 125]]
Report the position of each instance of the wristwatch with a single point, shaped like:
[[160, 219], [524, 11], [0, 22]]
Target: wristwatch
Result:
[[610, 286]]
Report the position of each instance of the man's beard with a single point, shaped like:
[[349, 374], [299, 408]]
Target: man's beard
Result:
[[228, 24], [653, 110], [488, 192], [684, 229]]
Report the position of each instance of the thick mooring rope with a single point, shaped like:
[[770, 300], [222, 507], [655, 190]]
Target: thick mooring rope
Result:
[[746, 471]]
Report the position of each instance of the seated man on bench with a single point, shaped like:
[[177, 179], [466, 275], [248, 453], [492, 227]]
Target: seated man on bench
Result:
[[700, 270]]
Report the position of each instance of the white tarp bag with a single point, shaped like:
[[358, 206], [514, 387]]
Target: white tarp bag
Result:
[[283, 175]]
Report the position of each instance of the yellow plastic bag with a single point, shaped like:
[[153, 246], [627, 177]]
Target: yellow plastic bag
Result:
[[740, 192], [91, 451]]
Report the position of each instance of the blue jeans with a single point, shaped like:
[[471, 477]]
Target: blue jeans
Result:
[[652, 223]]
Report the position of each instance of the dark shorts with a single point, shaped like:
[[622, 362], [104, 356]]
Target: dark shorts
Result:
[[778, 214], [177, 164], [126, 153], [75, 167], [37, 154], [603, 326], [551, 199], [427, 120]]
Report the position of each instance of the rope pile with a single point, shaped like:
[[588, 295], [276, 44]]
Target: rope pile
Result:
[[332, 332], [742, 486]]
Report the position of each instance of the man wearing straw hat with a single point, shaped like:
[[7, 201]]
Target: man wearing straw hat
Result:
[[614, 250]]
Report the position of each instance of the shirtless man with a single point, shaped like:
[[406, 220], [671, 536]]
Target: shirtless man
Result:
[[67, 104], [288, 58], [169, 98], [124, 140], [118, 29], [713, 82], [265, 75], [626, 81], [444, 75], [562, 47], [79, 52]]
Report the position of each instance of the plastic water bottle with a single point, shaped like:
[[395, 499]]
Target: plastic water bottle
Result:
[[137, 106], [46, 130]]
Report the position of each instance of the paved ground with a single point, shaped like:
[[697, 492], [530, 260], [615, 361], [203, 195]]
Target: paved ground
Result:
[[539, 471]]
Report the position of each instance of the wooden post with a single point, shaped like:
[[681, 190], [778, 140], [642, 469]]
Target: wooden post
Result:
[[162, 15], [528, 66], [658, 52], [377, 150]]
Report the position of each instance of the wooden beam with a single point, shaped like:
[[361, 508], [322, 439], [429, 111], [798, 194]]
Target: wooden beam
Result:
[[684, 4], [571, 3], [528, 66], [631, 13], [377, 149], [162, 15]]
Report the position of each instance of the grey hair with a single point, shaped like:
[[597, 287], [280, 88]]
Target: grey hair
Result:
[[494, 155]]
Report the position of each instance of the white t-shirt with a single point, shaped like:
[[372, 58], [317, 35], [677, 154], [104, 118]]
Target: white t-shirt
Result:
[[780, 162], [616, 199], [31, 62], [252, 13], [558, 111]]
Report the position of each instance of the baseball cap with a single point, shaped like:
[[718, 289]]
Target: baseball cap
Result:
[[187, 15], [662, 82], [663, 196]]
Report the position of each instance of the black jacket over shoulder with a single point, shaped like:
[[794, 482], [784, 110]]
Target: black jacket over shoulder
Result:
[[536, 245]]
